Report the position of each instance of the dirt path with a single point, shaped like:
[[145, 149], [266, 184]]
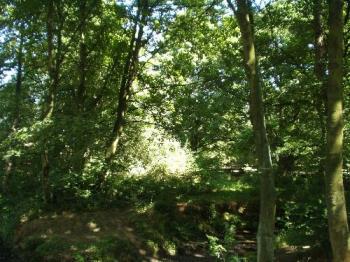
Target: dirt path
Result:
[[88, 228], [117, 225]]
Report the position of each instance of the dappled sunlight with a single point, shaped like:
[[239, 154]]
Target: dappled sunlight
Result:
[[142, 252], [168, 130], [93, 227], [142, 209], [129, 229], [159, 151]]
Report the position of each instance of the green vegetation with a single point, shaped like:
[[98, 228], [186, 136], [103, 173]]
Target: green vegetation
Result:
[[187, 130]]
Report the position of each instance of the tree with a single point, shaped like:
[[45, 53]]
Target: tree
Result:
[[129, 74], [54, 60], [93, 92], [336, 205], [18, 101], [265, 236], [320, 72]]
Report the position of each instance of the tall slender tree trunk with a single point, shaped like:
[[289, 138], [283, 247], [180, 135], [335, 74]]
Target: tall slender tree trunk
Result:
[[50, 61], [129, 74], [335, 198], [49, 106], [19, 78], [265, 236], [82, 56], [16, 117], [320, 72], [128, 77], [53, 67], [79, 147]]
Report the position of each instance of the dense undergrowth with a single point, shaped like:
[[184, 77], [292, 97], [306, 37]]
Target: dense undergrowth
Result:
[[211, 214], [163, 84]]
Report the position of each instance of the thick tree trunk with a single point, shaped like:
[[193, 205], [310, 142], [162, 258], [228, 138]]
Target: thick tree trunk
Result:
[[265, 236], [336, 205]]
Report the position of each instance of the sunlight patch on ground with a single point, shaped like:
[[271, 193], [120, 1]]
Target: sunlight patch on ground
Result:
[[93, 227]]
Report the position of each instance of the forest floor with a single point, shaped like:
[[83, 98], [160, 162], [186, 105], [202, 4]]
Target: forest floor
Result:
[[72, 235], [82, 231], [203, 218]]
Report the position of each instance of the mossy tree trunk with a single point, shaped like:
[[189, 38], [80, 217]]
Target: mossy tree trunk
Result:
[[335, 198]]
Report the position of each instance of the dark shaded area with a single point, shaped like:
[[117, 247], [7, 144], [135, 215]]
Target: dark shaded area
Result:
[[7, 254]]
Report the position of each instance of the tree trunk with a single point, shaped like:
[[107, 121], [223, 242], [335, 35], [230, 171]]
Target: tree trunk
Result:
[[53, 67], [320, 72], [336, 205], [130, 71], [82, 56], [19, 78], [49, 106], [265, 236], [50, 61], [16, 118]]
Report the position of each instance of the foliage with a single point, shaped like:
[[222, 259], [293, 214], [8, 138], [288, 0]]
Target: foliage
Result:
[[186, 143]]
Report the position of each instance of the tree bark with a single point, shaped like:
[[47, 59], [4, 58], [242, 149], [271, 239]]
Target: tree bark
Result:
[[53, 67], [335, 198], [320, 72], [50, 61], [49, 106], [82, 56], [16, 117], [129, 74], [265, 236], [19, 77]]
